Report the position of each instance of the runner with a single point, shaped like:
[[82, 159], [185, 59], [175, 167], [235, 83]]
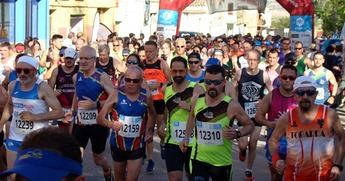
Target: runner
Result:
[[310, 131], [324, 79], [250, 84], [3, 100], [156, 74], [90, 86], [62, 82], [29, 102], [177, 97], [195, 71], [131, 131], [212, 118], [106, 63], [274, 104]]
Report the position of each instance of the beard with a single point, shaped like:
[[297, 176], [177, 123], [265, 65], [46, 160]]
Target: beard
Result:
[[178, 79], [212, 92], [304, 105]]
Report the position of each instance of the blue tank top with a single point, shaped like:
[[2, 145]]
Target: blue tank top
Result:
[[13, 76], [132, 113], [89, 86], [196, 79]]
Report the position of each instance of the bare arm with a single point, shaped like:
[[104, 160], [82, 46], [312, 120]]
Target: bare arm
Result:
[[106, 83], [230, 91], [151, 114], [7, 111], [264, 106], [334, 82], [267, 81], [340, 133], [111, 100], [3, 98], [236, 111], [53, 77], [235, 81], [166, 70]]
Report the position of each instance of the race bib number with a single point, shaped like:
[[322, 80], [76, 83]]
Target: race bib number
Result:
[[320, 93], [179, 131], [65, 110], [250, 108], [153, 91], [131, 126], [22, 127], [209, 133], [87, 117]]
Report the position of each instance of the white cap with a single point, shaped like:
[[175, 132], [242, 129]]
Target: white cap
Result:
[[29, 60], [70, 53], [304, 81]]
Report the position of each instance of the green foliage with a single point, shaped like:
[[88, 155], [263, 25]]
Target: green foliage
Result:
[[280, 23], [332, 14]]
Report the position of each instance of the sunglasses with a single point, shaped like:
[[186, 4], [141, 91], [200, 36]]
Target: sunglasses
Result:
[[132, 62], [26, 71], [285, 77], [193, 62], [298, 48], [214, 82], [179, 46], [116, 45], [308, 92], [132, 80]]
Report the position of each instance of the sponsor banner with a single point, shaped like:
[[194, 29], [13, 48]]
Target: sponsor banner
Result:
[[301, 29]]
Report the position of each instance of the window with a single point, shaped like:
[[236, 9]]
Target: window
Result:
[[7, 21]]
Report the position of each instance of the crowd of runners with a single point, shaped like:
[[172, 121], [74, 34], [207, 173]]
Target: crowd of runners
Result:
[[199, 94]]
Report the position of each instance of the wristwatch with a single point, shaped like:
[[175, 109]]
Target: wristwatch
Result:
[[340, 167], [238, 133]]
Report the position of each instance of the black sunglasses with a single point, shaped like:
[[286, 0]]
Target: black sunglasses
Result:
[[132, 80], [179, 46], [193, 62], [308, 92], [285, 77], [215, 82], [298, 48], [25, 70], [132, 62]]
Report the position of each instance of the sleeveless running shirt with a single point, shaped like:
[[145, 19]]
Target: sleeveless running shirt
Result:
[[251, 89], [108, 68], [322, 82], [310, 147], [89, 87], [26, 101], [196, 79], [131, 113], [177, 117], [154, 73], [209, 145], [64, 82]]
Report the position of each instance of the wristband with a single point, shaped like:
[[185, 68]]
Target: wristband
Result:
[[238, 134]]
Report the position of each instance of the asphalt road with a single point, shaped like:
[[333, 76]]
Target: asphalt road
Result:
[[261, 171]]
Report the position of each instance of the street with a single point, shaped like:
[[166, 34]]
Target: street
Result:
[[261, 171]]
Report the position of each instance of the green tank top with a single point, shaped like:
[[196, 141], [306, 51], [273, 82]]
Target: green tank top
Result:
[[300, 66], [177, 117], [209, 146]]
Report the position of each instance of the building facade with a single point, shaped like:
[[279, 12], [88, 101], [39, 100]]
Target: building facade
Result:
[[23, 18], [82, 16]]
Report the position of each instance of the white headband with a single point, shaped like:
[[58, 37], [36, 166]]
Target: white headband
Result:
[[29, 60]]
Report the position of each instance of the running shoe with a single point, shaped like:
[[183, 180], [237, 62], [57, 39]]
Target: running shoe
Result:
[[249, 175], [150, 166]]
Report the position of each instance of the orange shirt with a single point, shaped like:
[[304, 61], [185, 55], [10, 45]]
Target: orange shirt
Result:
[[154, 73], [310, 147]]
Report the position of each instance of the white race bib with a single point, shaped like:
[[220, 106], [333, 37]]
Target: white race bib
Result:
[[320, 94], [250, 108], [131, 126], [22, 127], [179, 131], [87, 116], [209, 133]]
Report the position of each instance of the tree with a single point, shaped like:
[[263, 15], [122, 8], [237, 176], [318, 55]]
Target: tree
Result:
[[332, 14], [281, 23]]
